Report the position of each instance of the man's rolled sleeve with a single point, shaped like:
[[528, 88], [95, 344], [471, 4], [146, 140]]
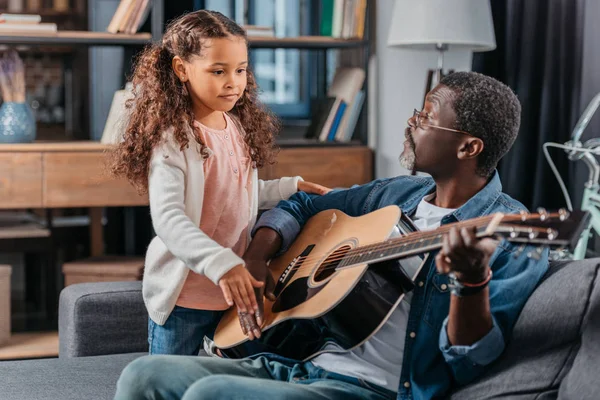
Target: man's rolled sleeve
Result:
[[281, 222], [467, 362], [482, 352]]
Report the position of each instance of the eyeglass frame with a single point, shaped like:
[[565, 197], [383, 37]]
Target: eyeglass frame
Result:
[[417, 114]]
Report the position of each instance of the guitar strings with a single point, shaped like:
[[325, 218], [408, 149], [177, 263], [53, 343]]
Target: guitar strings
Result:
[[411, 238]]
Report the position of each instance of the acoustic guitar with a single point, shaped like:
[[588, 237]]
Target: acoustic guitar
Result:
[[343, 276]]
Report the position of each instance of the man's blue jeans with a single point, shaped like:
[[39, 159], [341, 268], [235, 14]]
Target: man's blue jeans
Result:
[[265, 377]]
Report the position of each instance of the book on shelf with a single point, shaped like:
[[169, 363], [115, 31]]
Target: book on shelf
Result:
[[259, 31], [320, 112], [25, 23], [325, 133], [346, 84], [353, 114], [326, 111], [118, 116], [42, 27], [344, 19], [129, 16], [336, 123], [6, 18], [334, 117]]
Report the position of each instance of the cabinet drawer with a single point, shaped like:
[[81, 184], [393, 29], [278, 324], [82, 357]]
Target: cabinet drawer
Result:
[[20, 180], [81, 179], [332, 167]]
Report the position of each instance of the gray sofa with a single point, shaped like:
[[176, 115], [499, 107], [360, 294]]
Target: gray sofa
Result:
[[554, 351]]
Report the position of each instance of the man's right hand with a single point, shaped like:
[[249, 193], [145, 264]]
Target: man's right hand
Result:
[[251, 323]]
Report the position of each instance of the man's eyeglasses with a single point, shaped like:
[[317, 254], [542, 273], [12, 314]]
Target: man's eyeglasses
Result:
[[418, 121]]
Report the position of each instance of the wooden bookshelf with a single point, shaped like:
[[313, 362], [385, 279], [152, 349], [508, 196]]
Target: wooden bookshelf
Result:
[[121, 39], [30, 345], [76, 38], [52, 146], [304, 42]]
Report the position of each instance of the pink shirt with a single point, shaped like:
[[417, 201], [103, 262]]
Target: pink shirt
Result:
[[226, 208]]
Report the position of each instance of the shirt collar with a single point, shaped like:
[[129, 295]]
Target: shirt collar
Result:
[[476, 206]]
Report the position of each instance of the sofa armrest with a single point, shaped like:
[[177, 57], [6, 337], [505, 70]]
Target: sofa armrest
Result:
[[102, 318]]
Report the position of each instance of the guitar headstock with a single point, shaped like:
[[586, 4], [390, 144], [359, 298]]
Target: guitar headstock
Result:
[[557, 230]]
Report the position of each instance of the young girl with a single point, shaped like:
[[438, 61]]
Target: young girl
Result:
[[196, 136]]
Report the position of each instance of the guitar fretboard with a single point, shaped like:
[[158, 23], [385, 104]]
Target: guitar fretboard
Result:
[[408, 245]]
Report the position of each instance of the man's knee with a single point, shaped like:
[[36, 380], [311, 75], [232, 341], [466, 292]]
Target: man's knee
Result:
[[143, 376], [217, 387]]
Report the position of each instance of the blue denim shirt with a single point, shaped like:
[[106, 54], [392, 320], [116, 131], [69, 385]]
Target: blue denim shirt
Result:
[[431, 366]]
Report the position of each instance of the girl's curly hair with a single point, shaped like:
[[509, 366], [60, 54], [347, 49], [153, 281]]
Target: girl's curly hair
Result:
[[161, 101]]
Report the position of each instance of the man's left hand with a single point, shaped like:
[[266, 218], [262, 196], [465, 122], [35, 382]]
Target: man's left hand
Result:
[[465, 255], [251, 323]]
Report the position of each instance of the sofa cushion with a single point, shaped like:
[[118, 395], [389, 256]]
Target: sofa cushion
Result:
[[545, 339], [63, 378], [102, 318], [582, 383]]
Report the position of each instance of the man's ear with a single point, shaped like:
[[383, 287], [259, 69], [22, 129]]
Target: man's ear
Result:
[[470, 148]]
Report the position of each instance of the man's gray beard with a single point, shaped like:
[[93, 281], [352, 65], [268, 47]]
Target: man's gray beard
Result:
[[407, 160]]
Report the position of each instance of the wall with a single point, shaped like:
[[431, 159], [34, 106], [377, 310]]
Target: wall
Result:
[[400, 84]]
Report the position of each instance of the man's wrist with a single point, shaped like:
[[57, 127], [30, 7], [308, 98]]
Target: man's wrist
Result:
[[263, 246], [473, 277], [461, 288]]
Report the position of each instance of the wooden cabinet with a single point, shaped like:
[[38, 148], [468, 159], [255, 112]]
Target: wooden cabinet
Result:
[[81, 179], [329, 166], [20, 180], [63, 175]]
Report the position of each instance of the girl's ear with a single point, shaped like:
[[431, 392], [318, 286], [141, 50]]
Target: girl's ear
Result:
[[179, 68]]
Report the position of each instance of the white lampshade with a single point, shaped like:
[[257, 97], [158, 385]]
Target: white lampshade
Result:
[[422, 24]]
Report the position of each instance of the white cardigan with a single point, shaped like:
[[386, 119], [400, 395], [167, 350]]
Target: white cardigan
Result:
[[176, 189]]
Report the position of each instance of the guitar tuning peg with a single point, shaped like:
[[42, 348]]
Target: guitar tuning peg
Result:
[[543, 213], [551, 233], [524, 215], [563, 214], [532, 234], [519, 251]]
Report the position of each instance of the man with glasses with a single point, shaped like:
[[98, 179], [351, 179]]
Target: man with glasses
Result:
[[466, 299]]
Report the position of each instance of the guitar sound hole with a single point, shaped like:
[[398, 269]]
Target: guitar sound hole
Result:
[[328, 266]]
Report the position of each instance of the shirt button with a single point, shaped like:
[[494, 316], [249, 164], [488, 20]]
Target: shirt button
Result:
[[444, 286], [226, 136], [421, 283], [413, 335], [407, 384], [231, 153], [235, 170]]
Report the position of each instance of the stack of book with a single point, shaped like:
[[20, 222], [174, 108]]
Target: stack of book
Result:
[[334, 117], [130, 16], [344, 19], [24, 23]]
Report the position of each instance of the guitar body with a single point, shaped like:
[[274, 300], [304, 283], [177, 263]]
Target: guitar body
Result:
[[317, 304]]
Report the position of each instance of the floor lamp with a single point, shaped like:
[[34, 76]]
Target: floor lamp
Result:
[[441, 25]]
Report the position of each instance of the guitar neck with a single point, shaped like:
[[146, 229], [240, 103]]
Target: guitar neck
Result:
[[411, 244]]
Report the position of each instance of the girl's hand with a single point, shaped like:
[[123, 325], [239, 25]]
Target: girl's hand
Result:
[[238, 287], [312, 188]]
